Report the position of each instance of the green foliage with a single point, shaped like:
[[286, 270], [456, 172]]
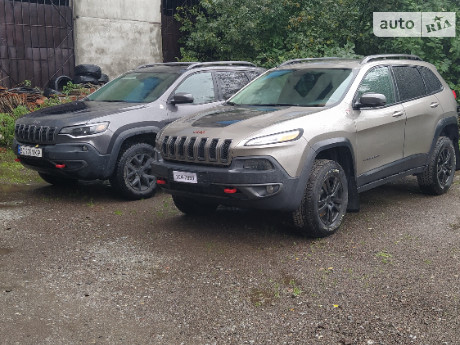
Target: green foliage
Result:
[[444, 52], [6, 129], [12, 172], [7, 124], [20, 111], [54, 100], [7, 120], [67, 89], [268, 32]]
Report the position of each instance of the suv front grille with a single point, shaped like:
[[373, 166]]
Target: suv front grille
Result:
[[199, 150], [35, 134]]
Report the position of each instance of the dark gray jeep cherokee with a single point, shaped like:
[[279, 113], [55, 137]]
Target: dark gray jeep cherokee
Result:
[[111, 133]]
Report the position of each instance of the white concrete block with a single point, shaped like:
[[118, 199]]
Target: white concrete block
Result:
[[116, 45], [136, 10]]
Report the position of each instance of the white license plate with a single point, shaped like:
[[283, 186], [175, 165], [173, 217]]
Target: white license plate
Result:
[[187, 177], [30, 151]]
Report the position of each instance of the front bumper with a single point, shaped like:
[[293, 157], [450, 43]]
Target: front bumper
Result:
[[233, 185], [78, 160]]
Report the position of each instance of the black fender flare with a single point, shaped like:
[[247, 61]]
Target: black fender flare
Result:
[[453, 133], [350, 168], [124, 133]]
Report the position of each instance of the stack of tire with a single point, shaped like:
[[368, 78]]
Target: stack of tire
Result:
[[89, 74], [84, 74]]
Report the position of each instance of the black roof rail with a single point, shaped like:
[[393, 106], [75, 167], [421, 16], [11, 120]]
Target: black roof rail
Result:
[[197, 64], [291, 62], [389, 56], [185, 64], [221, 63]]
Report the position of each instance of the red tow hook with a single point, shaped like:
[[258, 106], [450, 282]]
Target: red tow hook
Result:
[[17, 160], [60, 166], [161, 181], [230, 190]]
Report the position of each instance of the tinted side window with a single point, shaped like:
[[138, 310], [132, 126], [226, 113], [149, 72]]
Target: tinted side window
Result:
[[410, 82], [200, 85], [378, 80], [230, 82], [432, 82]]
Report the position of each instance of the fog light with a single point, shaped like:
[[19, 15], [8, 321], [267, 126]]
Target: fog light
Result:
[[270, 189]]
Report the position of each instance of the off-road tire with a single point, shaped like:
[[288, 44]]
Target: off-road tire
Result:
[[104, 79], [132, 177], [58, 83], [85, 79], [439, 174], [88, 70], [193, 207], [58, 180], [325, 200]]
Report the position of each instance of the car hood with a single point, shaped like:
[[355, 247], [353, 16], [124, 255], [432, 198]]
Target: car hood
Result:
[[235, 121], [73, 113]]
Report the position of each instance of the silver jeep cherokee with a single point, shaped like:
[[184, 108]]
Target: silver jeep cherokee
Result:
[[309, 135]]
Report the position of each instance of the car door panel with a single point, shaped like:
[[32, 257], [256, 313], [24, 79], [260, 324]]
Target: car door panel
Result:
[[380, 137], [379, 131], [422, 117]]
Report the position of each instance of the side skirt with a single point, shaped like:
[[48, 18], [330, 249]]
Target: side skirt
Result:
[[391, 178]]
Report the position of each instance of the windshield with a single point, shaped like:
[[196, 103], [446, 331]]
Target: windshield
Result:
[[135, 87], [315, 87]]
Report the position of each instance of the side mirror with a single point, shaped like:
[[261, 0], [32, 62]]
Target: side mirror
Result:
[[371, 100], [181, 98]]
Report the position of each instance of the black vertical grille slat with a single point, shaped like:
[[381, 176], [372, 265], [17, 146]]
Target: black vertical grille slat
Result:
[[164, 146], [196, 149], [26, 132], [50, 135], [225, 150], [213, 150], [190, 146], [35, 134], [201, 149], [32, 130], [42, 134], [181, 146], [38, 133], [172, 146], [45, 131]]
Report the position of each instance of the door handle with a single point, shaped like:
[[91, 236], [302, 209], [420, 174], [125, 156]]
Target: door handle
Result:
[[397, 114], [434, 104]]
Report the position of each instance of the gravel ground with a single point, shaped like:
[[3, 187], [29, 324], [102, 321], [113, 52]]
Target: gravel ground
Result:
[[81, 266]]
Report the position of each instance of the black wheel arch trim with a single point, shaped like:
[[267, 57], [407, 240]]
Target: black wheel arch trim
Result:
[[124, 133], [450, 125], [350, 167]]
